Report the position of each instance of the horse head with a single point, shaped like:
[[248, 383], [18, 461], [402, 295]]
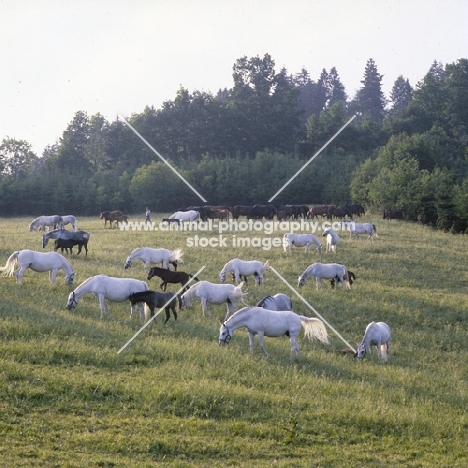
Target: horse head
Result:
[[45, 240], [326, 232], [151, 273], [300, 281], [69, 279], [224, 335], [128, 263], [361, 351], [222, 276], [72, 301]]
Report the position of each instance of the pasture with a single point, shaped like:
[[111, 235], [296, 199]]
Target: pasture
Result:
[[175, 398]]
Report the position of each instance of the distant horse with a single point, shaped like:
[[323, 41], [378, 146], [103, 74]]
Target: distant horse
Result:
[[38, 261], [168, 276], [244, 268], [377, 334], [393, 214], [40, 223], [190, 216], [325, 270], [277, 302], [80, 238], [360, 228], [111, 216], [154, 299], [262, 322], [262, 211], [149, 255], [68, 219], [301, 240], [338, 212], [106, 287], [240, 210], [317, 210], [332, 239], [215, 294]]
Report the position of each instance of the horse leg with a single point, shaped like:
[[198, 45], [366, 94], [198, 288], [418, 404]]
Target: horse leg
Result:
[[294, 348], [52, 275], [238, 279], [142, 312], [103, 306], [251, 341], [318, 280], [20, 272], [260, 340], [168, 314]]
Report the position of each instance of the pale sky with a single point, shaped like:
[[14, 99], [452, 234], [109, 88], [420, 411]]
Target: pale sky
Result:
[[115, 57]]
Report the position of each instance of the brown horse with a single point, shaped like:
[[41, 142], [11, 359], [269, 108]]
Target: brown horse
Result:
[[111, 216]]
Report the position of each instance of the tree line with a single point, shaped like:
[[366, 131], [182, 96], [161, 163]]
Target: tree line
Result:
[[239, 146]]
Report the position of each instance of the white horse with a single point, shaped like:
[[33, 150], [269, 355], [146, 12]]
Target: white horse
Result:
[[325, 270], [301, 240], [277, 302], [190, 215], [38, 261], [106, 287], [360, 228], [244, 268], [377, 334], [40, 223], [215, 294], [263, 322], [332, 239], [69, 219], [148, 255]]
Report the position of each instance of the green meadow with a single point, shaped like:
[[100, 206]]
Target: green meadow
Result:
[[175, 398]]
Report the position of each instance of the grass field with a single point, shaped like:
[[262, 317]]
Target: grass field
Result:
[[174, 398]]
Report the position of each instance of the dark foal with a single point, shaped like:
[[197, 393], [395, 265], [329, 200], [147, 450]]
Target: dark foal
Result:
[[169, 276], [335, 280], [157, 299]]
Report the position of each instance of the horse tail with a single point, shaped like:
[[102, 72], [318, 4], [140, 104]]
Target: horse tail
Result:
[[346, 277], [265, 266], [237, 292], [314, 328], [10, 264]]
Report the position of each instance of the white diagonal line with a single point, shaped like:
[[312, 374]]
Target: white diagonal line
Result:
[[160, 157], [310, 307], [159, 311], [312, 158]]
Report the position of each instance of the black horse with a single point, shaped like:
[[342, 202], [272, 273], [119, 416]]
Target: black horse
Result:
[[157, 299], [68, 244], [169, 276], [78, 237]]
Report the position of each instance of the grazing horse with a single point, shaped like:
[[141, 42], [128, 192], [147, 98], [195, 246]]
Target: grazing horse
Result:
[[325, 270], [277, 302], [300, 240], [154, 299], [169, 276], [80, 238], [262, 322], [360, 228], [393, 214], [148, 255], [244, 268], [68, 219], [106, 287], [241, 210], [317, 210], [262, 211], [40, 223], [190, 216], [332, 239], [38, 261], [215, 294], [377, 334], [111, 216]]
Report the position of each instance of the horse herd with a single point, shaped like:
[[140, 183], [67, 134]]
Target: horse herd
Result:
[[272, 316]]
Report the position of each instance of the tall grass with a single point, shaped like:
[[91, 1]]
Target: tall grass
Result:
[[175, 398]]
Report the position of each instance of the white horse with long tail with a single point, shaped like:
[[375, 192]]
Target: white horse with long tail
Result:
[[38, 224], [332, 239], [263, 322], [242, 268], [148, 256], [327, 271], [360, 228], [39, 262], [301, 240], [107, 287], [190, 215], [213, 293], [377, 334]]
